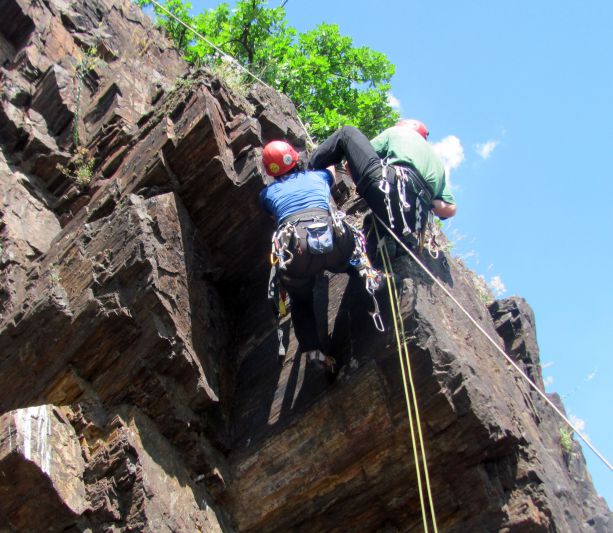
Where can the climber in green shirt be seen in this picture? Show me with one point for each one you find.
(406, 144)
(399, 175)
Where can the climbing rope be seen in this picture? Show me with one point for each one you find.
(232, 60)
(312, 144)
(493, 342)
(410, 399)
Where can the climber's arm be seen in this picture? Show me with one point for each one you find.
(443, 209)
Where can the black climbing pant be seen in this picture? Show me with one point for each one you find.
(367, 172)
(300, 276)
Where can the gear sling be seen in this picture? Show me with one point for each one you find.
(402, 198)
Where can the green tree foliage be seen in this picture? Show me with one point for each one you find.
(331, 82)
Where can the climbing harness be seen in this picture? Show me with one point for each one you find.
(417, 440)
(400, 179)
(286, 236)
(359, 260)
(494, 344)
(280, 257)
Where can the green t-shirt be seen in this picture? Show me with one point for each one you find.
(401, 144)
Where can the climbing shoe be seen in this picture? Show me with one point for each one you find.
(321, 361)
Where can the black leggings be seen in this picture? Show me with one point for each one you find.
(299, 279)
(366, 171)
(350, 143)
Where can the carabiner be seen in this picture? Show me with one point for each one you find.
(402, 195)
(384, 186)
(384, 165)
(283, 262)
(433, 251)
(376, 317)
(373, 282)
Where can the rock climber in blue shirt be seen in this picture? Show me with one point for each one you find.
(306, 240)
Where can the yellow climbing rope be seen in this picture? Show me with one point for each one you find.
(419, 449)
(494, 344)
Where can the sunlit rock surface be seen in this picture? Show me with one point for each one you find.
(140, 388)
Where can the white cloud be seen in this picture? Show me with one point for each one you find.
(393, 101)
(579, 423)
(591, 376)
(485, 149)
(456, 236)
(451, 152)
(497, 286)
(468, 255)
(548, 364)
(548, 381)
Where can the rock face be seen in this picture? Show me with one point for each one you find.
(139, 383)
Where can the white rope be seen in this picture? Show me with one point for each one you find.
(231, 59)
(495, 344)
(521, 372)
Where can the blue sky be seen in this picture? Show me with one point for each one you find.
(519, 94)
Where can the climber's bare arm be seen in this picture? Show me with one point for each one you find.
(443, 209)
(332, 171)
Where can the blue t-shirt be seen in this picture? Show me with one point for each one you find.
(296, 192)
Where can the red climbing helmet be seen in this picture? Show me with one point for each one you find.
(418, 126)
(279, 157)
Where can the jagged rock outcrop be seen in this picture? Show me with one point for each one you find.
(140, 387)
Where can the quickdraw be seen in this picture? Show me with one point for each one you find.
(405, 207)
(432, 232)
(280, 257)
(372, 277)
(418, 214)
(384, 187)
(277, 300)
(337, 219)
(281, 241)
(376, 313)
(426, 233)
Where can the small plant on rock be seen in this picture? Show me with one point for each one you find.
(566, 440)
(80, 169)
(231, 73)
(83, 66)
(55, 277)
